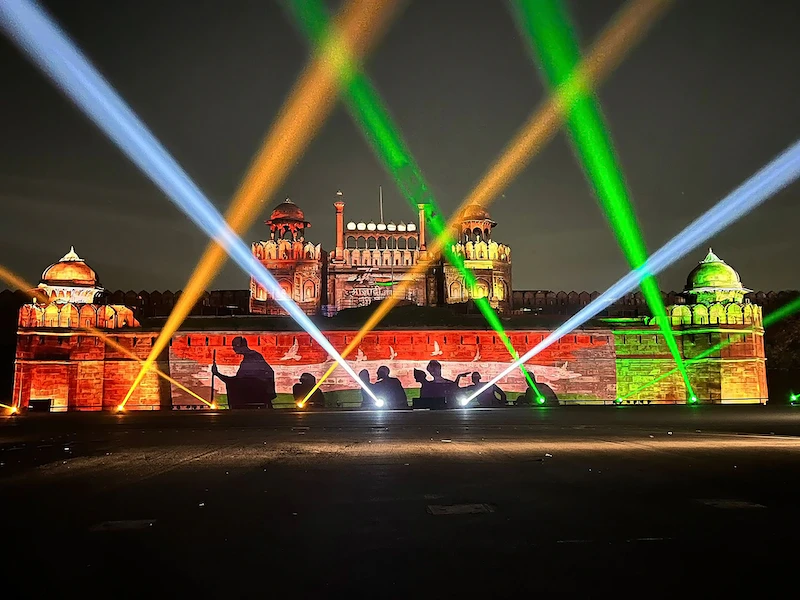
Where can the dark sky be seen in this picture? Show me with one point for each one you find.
(703, 102)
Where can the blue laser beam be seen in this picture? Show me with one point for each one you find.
(779, 173)
(53, 52)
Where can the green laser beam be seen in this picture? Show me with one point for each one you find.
(368, 110)
(779, 314)
(546, 26)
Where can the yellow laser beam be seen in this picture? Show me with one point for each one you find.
(626, 28)
(16, 281)
(356, 29)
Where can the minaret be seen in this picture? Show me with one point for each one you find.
(339, 204)
(421, 208)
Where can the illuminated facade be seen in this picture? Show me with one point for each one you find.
(488, 260)
(62, 366)
(298, 265)
(370, 258)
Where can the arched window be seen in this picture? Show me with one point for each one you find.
(455, 291)
(401, 243)
(351, 242)
(392, 243)
(477, 233)
(286, 286)
(287, 234)
(372, 243)
(412, 243)
(382, 243)
(309, 291)
(361, 242)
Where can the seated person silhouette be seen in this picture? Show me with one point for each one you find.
(390, 389)
(301, 389)
(492, 396)
(366, 400)
(530, 398)
(253, 386)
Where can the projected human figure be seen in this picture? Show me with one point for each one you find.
(366, 401)
(438, 387)
(492, 396)
(301, 389)
(253, 386)
(529, 397)
(390, 389)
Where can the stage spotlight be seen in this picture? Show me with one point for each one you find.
(379, 402)
(463, 401)
(693, 399)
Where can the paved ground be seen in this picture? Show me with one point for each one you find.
(584, 501)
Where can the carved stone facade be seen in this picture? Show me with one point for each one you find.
(488, 260)
(297, 265)
(370, 258)
(66, 298)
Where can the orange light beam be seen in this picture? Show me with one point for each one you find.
(626, 28)
(357, 28)
(15, 281)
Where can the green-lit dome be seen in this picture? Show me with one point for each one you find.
(713, 274)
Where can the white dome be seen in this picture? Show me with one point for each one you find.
(371, 226)
(411, 227)
(381, 226)
(351, 226)
(391, 227)
(361, 226)
(401, 227)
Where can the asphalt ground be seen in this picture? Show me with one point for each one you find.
(650, 501)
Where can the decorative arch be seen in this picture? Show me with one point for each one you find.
(309, 291)
(361, 242)
(681, 315)
(372, 243)
(381, 243)
(735, 314)
(716, 314)
(700, 314)
(456, 291)
(401, 243)
(350, 242)
(412, 243)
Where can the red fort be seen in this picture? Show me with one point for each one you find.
(62, 365)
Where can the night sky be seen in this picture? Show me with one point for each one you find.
(703, 102)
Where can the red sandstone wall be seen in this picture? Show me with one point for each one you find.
(735, 370)
(80, 372)
(580, 364)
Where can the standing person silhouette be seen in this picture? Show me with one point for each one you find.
(253, 386)
(366, 401)
(390, 389)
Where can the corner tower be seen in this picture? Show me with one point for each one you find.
(294, 262)
(489, 260)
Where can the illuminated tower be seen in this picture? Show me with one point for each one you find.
(488, 260)
(720, 335)
(295, 263)
(369, 259)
